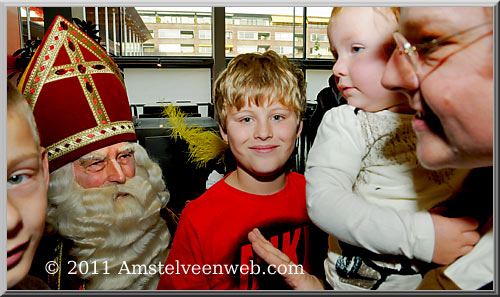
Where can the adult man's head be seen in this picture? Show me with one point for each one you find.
(105, 193)
(448, 77)
(116, 222)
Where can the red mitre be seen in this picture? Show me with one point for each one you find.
(77, 95)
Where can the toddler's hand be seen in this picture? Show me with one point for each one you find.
(454, 237)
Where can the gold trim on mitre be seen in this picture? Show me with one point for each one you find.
(64, 38)
(87, 137)
(65, 35)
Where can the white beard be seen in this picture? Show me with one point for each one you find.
(114, 231)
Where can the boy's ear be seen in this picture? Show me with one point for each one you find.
(299, 128)
(223, 133)
(45, 166)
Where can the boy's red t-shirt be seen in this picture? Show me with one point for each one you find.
(213, 230)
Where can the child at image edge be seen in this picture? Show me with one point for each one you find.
(259, 100)
(27, 183)
(365, 152)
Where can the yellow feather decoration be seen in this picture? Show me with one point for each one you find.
(203, 145)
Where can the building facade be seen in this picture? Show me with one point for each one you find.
(189, 34)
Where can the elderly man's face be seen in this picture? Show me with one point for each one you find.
(452, 88)
(110, 165)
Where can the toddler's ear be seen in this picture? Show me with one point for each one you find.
(223, 133)
(299, 128)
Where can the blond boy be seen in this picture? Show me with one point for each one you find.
(27, 182)
(259, 101)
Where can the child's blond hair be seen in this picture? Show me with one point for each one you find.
(17, 103)
(257, 78)
(394, 10)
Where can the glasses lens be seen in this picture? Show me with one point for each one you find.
(405, 47)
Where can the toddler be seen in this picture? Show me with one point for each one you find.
(365, 186)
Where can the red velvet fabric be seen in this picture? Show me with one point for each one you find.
(61, 108)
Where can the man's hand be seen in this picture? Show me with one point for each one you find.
(264, 249)
(454, 237)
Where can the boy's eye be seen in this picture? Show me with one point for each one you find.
(245, 120)
(277, 117)
(17, 179)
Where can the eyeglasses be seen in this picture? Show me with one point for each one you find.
(411, 51)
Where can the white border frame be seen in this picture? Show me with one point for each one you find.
(228, 3)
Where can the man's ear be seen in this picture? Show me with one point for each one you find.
(223, 133)
(299, 128)
(45, 167)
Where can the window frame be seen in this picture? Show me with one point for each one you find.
(254, 33)
(208, 61)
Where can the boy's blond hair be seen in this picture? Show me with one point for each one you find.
(257, 78)
(17, 103)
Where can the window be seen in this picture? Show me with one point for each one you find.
(187, 48)
(148, 19)
(321, 51)
(318, 25)
(187, 34)
(204, 20)
(319, 37)
(187, 20)
(169, 33)
(170, 19)
(242, 49)
(176, 19)
(317, 21)
(264, 36)
(148, 48)
(189, 26)
(169, 48)
(247, 35)
(262, 48)
(284, 50)
(247, 29)
(299, 38)
(205, 34)
(205, 49)
(275, 26)
(251, 21)
(283, 36)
